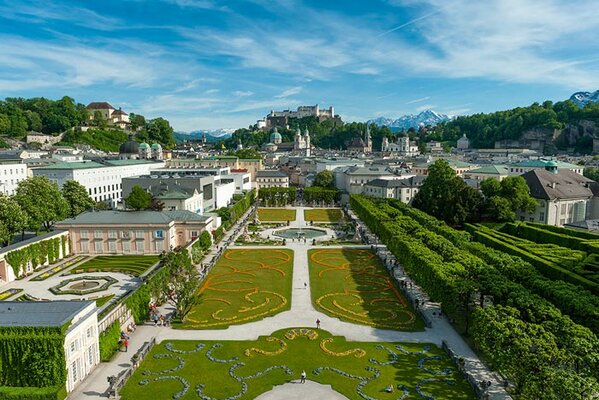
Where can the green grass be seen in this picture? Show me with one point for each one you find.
(276, 214)
(323, 215)
(351, 284)
(100, 301)
(395, 364)
(244, 286)
(134, 265)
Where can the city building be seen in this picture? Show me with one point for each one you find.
(563, 196)
(519, 168)
(361, 145)
(106, 111)
(133, 232)
(463, 143)
(402, 147)
(357, 177)
(459, 167)
(45, 140)
(400, 189)
(488, 171)
(271, 178)
(12, 171)
(79, 320)
(251, 166)
(281, 118)
(434, 147)
(103, 181)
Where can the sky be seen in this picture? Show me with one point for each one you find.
(208, 64)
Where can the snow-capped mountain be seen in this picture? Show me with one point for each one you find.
(427, 117)
(211, 135)
(582, 98)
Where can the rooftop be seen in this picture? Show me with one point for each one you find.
(563, 185)
(270, 174)
(100, 105)
(491, 170)
(111, 217)
(40, 313)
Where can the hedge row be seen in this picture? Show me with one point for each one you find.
(33, 393)
(32, 357)
(547, 268)
(109, 341)
(452, 275)
(565, 231)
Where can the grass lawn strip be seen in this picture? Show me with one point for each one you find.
(246, 369)
(351, 284)
(323, 215)
(244, 285)
(134, 265)
(58, 268)
(276, 214)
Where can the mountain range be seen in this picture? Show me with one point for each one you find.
(583, 98)
(211, 136)
(427, 117)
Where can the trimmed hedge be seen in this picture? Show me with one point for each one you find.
(32, 357)
(545, 267)
(33, 393)
(109, 341)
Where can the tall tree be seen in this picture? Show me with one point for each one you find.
(446, 196)
(184, 281)
(324, 179)
(12, 218)
(76, 195)
(504, 199)
(42, 201)
(138, 199)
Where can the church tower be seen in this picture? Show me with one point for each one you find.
(239, 145)
(297, 144)
(307, 142)
(385, 144)
(367, 140)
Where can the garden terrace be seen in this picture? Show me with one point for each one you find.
(245, 285)
(323, 215)
(246, 369)
(459, 274)
(276, 214)
(352, 285)
(132, 265)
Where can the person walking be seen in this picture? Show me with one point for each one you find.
(303, 377)
(126, 344)
(305, 285)
(318, 324)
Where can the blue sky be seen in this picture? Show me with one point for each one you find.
(207, 64)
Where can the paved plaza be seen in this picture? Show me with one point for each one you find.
(302, 313)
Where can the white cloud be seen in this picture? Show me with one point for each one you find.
(426, 107)
(418, 100)
(289, 92)
(212, 91)
(243, 93)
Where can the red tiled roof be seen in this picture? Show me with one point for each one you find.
(99, 105)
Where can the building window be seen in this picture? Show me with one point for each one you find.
(90, 332)
(90, 355)
(126, 247)
(139, 235)
(74, 371)
(125, 234)
(84, 234)
(159, 234)
(111, 234)
(112, 247)
(84, 247)
(73, 346)
(194, 234)
(542, 216)
(98, 247)
(98, 234)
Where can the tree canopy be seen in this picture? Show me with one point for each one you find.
(324, 179)
(77, 197)
(504, 199)
(12, 218)
(42, 201)
(138, 199)
(446, 196)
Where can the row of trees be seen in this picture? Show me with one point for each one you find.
(542, 351)
(446, 196)
(38, 203)
(277, 196)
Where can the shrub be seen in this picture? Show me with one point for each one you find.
(109, 341)
(33, 393)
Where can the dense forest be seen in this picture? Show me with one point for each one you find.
(19, 116)
(484, 129)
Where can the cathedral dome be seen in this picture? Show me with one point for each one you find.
(129, 147)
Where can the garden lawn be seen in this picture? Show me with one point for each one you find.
(245, 285)
(100, 301)
(246, 369)
(134, 265)
(276, 214)
(351, 284)
(323, 215)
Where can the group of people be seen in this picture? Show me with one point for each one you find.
(157, 317)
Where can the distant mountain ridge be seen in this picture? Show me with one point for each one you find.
(211, 135)
(583, 98)
(427, 117)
